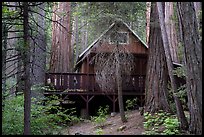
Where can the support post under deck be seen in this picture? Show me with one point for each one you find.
(87, 100)
(114, 99)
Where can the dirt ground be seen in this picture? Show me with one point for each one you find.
(134, 126)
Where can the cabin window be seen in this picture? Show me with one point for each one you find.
(121, 37)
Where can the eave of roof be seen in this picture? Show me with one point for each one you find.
(92, 44)
(136, 35)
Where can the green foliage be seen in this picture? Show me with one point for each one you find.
(102, 115)
(8, 13)
(100, 15)
(160, 123)
(130, 104)
(60, 115)
(171, 125)
(180, 51)
(98, 120)
(99, 131)
(181, 94)
(180, 72)
(43, 121)
(12, 116)
(103, 111)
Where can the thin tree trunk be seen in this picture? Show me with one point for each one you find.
(179, 108)
(4, 47)
(77, 38)
(69, 37)
(26, 63)
(119, 86)
(84, 34)
(20, 81)
(193, 62)
(148, 10)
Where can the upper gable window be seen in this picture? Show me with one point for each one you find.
(121, 37)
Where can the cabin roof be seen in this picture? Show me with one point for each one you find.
(82, 55)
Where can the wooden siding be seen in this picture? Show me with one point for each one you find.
(139, 66)
(134, 46)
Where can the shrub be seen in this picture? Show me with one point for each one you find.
(102, 115)
(160, 123)
(130, 104)
(42, 121)
(12, 116)
(171, 125)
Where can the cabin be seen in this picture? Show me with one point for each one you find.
(129, 43)
(82, 87)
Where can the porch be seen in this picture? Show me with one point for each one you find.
(86, 83)
(84, 86)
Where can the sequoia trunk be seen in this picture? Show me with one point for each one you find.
(156, 95)
(61, 45)
(179, 108)
(193, 62)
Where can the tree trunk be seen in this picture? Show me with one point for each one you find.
(193, 63)
(20, 81)
(148, 10)
(77, 38)
(61, 44)
(170, 28)
(26, 63)
(4, 47)
(198, 10)
(119, 86)
(179, 109)
(53, 58)
(84, 34)
(39, 54)
(156, 95)
(67, 38)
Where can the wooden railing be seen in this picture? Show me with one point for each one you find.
(86, 82)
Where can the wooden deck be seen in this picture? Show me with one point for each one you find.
(80, 83)
(85, 86)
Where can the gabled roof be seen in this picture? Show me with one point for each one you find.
(82, 55)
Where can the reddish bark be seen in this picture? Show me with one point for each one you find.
(61, 56)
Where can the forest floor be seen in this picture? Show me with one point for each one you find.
(112, 125)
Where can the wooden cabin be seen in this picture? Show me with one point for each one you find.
(130, 42)
(82, 86)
